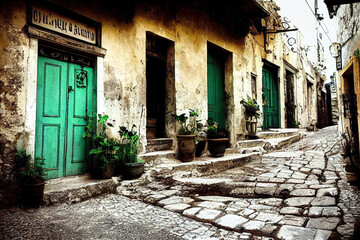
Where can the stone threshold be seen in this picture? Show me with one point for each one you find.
(77, 188)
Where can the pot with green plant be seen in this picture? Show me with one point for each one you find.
(103, 149)
(186, 135)
(252, 112)
(131, 166)
(32, 178)
(217, 138)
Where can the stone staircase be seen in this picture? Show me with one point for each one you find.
(163, 165)
(158, 149)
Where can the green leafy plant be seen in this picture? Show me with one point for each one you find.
(30, 172)
(129, 144)
(103, 148)
(297, 124)
(213, 131)
(252, 109)
(188, 124)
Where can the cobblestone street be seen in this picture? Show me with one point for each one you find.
(299, 192)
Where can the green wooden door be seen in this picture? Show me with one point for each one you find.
(271, 110)
(216, 90)
(66, 96)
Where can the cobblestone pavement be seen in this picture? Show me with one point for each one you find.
(299, 192)
(106, 217)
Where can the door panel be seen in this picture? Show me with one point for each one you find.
(216, 90)
(80, 106)
(66, 96)
(271, 109)
(51, 115)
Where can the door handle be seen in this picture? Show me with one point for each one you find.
(70, 89)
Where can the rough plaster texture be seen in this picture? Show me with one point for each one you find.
(348, 29)
(13, 74)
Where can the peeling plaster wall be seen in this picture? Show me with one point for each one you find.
(348, 30)
(14, 53)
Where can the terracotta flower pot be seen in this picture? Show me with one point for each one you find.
(32, 194)
(186, 147)
(217, 146)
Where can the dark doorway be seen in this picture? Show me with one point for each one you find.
(155, 97)
(290, 100)
(160, 87)
(350, 109)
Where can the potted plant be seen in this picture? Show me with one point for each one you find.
(350, 155)
(127, 153)
(32, 178)
(217, 138)
(186, 135)
(252, 112)
(103, 149)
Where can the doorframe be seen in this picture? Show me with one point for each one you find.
(170, 89)
(31, 91)
(288, 67)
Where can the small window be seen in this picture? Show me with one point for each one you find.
(253, 86)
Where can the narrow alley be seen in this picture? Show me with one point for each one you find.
(299, 192)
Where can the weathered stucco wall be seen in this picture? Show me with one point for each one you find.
(13, 74)
(348, 30)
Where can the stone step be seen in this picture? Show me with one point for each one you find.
(159, 144)
(268, 144)
(76, 188)
(150, 157)
(278, 133)
(202, 166)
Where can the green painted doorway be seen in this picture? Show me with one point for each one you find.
(66, 97)
(216, 88)
(271, 98)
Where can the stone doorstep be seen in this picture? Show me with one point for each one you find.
(76, 188)
(159, 144)
(151, 156)
(206, 165)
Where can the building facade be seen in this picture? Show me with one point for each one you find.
(139, 62)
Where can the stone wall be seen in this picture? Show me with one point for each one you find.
(13, 73)
(348, 30)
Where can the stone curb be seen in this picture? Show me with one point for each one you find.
(79, 193)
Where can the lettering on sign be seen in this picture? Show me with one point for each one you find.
(58, 22)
